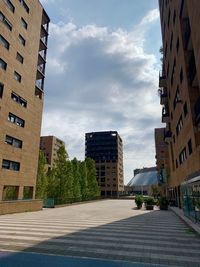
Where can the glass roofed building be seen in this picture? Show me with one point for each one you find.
(142, 181)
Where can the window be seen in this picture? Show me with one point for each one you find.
(179, 125)
(3, 64)
(182, 156)
(10, 165)
(171, 41)
(25, 6)
(19, 99)
(1, 90)
(10, 5)
(17, 77)
(20, 58)
(174, 17)
(176, 163)
(169, 15)
(181, 75)
(16, 120)
(22, 40)
(177, 97)
(173, 71)
(5, 21)
(177, 45)
(166, 50)
(4, 42)
(190, 147)
(185, 109)
(13, 141)
(24, 24)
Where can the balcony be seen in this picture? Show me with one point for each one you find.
(43, 43)
(165, 116)
(45, 21)
(42, 57)
(197, 111)
(162, 81)
(168, 136)
(163, 98)
(40, 84)
(44, 30)
(40, 71)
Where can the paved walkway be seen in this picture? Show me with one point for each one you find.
(109, 230)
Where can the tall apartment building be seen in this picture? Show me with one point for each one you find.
(180, 91)
(162, 156)
(23, 47)
(50, 145)
(106, 149)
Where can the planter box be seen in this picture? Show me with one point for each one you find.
(149, 207)
(163, 207)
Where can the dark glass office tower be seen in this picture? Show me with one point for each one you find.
(105, 148)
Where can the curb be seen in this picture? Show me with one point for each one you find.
(190, 223)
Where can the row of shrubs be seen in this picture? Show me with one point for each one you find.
(150, 202)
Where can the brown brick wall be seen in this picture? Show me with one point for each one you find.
(7, 207)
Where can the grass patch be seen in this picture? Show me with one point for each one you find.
(190, 231)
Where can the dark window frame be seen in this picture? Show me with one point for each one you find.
(190, 150)
(4, 42)
(10, 5)
(5, 21)
(22, 40)
(18, 99)
(1, 89)
(17, 77)
(4, 64)
(20, 58)
(10, 165)
(10, 140)
(16, 120)
(25, 6)
(24, 23)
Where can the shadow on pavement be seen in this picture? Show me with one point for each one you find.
(156, 237)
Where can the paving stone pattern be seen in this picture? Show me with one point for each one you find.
(110, 230)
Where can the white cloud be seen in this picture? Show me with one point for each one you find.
(98, 79)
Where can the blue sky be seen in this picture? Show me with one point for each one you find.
(102, 74)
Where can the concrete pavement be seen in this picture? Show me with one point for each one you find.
(110, 230)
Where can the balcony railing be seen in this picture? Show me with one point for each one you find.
(163, 98)
(40, 84)
(41, 68)
(42, 56)
(165, 116)
(197, 111)
(162, 81)
(44, 39)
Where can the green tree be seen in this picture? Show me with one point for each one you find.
(51, 184)
(83, 180)
(76, 180)
(41, 185)
(60, 174)
(155, 190)
(93, 189)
